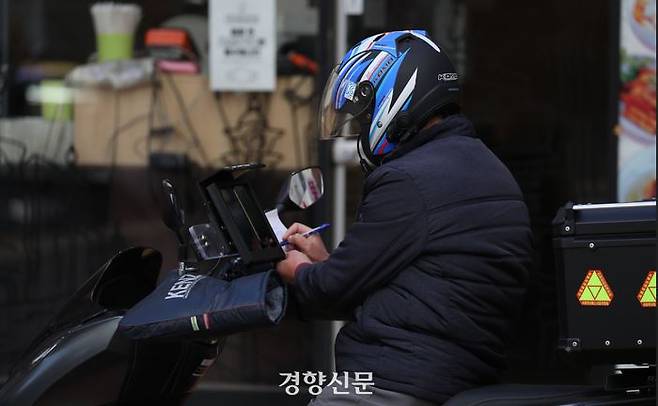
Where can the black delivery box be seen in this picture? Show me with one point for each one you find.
(606, 267)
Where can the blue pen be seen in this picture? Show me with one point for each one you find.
(309, 233)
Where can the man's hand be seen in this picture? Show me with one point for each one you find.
(312, 245)
(288, 267)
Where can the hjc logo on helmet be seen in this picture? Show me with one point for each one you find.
(448, 76)
(182, 287)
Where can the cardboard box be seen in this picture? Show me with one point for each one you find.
(112, 127)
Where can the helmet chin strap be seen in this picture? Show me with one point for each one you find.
(366, 166)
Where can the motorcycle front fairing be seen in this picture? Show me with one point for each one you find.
(119, 284)
(80, 359)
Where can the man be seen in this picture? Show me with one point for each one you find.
(435, 265)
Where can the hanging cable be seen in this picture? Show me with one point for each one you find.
(186, 119)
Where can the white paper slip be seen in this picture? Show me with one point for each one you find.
(275, 222)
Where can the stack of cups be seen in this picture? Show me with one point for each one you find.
(115, 26)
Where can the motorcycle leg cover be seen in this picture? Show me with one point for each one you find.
(199, 306)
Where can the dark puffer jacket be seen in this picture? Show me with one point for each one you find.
(433, 270)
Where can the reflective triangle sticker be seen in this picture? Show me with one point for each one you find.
(594, 291)
(647, 294)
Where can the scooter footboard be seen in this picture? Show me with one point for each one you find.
(194, 306)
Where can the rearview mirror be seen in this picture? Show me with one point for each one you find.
(302, 189)
(306, 187)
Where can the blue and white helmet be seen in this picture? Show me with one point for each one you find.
(385, 89)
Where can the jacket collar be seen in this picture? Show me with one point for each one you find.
(456, 124)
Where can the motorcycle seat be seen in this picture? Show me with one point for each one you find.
(523, 395)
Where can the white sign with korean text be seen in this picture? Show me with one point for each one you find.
(242, 45)
(353, 7)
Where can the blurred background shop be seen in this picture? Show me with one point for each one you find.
(93, 113)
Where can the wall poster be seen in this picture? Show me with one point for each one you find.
(636, 164)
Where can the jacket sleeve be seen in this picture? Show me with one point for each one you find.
(389, 233)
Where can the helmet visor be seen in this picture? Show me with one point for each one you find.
(341, 108)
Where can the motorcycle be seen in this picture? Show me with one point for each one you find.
(83, 357)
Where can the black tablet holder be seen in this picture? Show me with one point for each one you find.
(233, 208)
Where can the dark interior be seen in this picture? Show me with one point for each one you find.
(130, 277)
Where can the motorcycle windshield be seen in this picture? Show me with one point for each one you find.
(119, 284)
